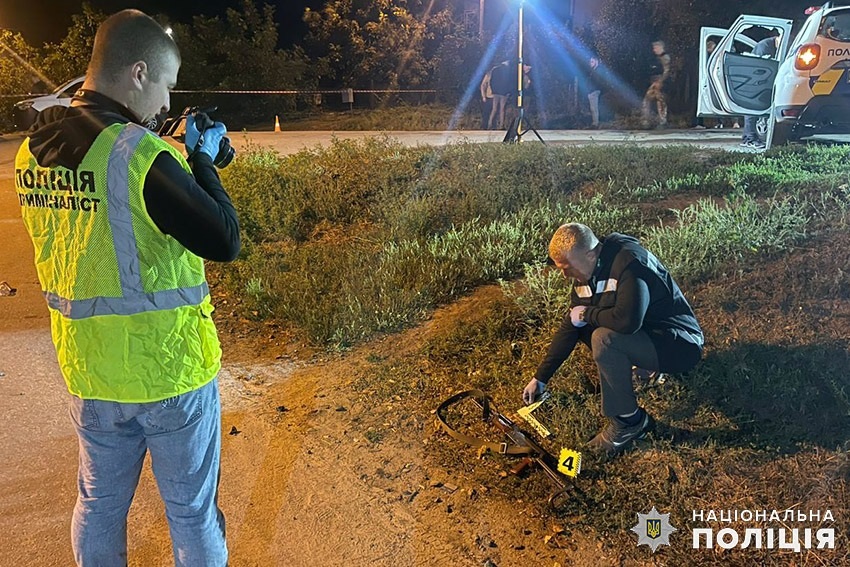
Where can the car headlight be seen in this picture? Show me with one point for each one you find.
(23, 105)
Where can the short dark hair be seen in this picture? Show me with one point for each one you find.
(569, 237)
(126, 37)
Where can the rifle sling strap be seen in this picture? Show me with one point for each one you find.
(489, 412)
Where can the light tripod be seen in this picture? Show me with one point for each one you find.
(518, 127)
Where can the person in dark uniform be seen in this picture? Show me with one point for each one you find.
(502, 85)
(765, 48)
(629, 311)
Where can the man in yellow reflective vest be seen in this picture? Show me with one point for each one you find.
(121, 223)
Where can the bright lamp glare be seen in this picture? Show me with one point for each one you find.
(808, 56)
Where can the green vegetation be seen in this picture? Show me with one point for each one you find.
(707, 237)
(386, 117)
(369, 237)
(366, 237)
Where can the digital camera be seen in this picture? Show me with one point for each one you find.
(172, 127)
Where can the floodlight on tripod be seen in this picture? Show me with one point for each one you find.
(519, 127)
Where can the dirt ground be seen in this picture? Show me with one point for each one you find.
(301, 484)
(304, 482)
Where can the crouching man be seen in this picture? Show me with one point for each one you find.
(629, 311)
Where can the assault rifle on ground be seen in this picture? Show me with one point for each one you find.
(519, 444)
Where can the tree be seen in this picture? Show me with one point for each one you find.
(19, 68)
(19, 72)
(379, 43)
(70, 57)
(239, 52)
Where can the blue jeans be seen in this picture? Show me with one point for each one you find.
(183, 435)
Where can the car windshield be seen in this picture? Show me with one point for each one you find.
(836, 26)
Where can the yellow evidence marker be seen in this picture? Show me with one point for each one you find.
(525, 413)
(569, 462)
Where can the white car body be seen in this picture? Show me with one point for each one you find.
(801, 101)
(27, 110)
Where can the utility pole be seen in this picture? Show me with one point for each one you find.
(480, 20)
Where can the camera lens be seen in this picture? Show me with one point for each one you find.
(225, 154)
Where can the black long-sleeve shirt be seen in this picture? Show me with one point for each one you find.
(192, 208)
(197, 211)
(629, 291)
(626, 316)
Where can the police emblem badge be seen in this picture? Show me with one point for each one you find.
(653, 529)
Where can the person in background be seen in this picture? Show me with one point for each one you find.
(593, 87)
(486, 99)
(502, 84)
(765, 48)
(659, 77)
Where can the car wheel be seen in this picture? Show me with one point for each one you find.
(762, 126)
(156, 122)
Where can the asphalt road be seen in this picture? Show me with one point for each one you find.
(288, 142)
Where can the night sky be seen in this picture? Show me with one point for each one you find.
(41, 21)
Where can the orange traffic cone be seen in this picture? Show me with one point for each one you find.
(276, 123)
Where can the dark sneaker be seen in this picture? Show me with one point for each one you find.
(753, 144)
(616, 436)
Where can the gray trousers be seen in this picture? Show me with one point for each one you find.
(615, 354)
(750, 133)
(593, 102)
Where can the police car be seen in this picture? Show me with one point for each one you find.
(803, 92)
(26, 111)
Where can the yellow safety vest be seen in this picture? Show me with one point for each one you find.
(130, 310)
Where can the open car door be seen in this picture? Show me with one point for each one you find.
(705, 105)
(740, 83)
